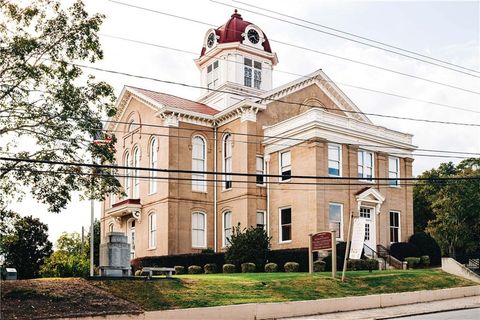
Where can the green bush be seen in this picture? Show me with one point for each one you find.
(401, 250)
(248, 267)
(271, 267)
(210, 268)
(195, 270)
(291, 267)
(179, 269)
(229, 268)
(248, 245)
(371, 264)
(425, 261)
(64, 264)
(412, 262)
(208, 250)
(427, 247)
(319, 266)
(362, 264)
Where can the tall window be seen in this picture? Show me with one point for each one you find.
(153, 165)
(393, 171)
(199, 237)
(285, 224)
(152, 230)
(261, 222)
(136, 179)
(394, 226)
(252, 69)
(110, 227)
(335, 218)
(365, 165)
(227, 227)
(260, 171)
(285, 166)
(334, 159)
(132, 125)
(227, 160)
(198, 164)
(126, 163)
(212, 75)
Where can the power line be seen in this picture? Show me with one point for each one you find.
(244, 174)
(300, 47)
(270, 99)
(295, 74)
(168, 179)
(349, 39)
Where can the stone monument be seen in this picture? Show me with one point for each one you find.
(115, 255)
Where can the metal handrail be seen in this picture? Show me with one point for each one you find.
(385, 254)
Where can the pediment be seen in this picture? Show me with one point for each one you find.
(370, 195)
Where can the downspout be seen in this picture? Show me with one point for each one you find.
(215, 188)
(267, 171)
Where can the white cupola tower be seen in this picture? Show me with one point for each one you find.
(236, 62)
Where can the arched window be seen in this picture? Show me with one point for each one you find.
(152, 230)
(227, 160)
(126, 163)
(132, 125)
(153, 164)
(110, 227)
(136, 179)
(199, 164)
(227, 227)
(199, 230)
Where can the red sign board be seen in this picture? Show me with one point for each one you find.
(322, 241)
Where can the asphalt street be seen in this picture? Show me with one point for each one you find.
(466, 314)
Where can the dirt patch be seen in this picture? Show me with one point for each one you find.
(59, 298)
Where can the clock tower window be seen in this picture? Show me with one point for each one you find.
(252, 69)
(212, 75)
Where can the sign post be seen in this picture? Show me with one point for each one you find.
(325, 240)
(347, 247)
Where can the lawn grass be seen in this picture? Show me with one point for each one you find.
(188, 291)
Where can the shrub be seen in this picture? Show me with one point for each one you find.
(210, 268)
(318, 266)
(248, 267)
(195, 269)
(291, 267)
(208, 251)
(341, 246)
(412, 262)
(371, 264)
(198, 259)
(179, 269)
(248, 245)
(362, 264)
(401, 250)
(138, 273)
(64, 264)
(300, 255)
(271, 267)
(425, 261)
(229, 268)
(427, 247)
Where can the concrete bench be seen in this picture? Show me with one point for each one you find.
(150, 270)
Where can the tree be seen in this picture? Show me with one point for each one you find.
(26, 246)
(248, 245)
(452, 207)
(68, 260)
(46, 100)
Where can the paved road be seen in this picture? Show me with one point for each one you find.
(467, 314)
(406, 311)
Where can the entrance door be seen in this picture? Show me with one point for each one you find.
(370, 231)
(131, 237)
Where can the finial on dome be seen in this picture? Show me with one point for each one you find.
(236, 14)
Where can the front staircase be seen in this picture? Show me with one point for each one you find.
(383, 256)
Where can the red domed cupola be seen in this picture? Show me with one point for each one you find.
(236, 30)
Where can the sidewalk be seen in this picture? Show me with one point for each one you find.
(399, 311)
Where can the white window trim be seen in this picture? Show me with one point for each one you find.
(152, 184)
(340, 150)
(364, 179)
(263, 171)
(399, 226)
(341, 218)
(280, 166)
(150, 247)
(264, 218)
(252, 69)
(111, 227)
(204, 164)
(224, 184)
(127, 180)
(398, 172)
(136, 179)
(280, 241)
(224, 244)
(204, 230)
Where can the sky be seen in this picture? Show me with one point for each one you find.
(444, 30)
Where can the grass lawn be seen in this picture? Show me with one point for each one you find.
(188, 291)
